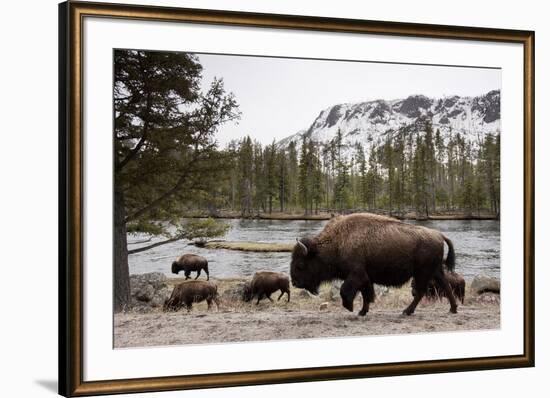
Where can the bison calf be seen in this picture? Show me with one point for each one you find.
(187, 293)
(435, 290)
(263, 284)
(190, 263)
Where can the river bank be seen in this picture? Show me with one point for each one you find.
(305, 316)
(322, 216)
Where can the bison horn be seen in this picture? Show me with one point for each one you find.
(302, 246)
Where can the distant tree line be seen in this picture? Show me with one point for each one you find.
(414, 169)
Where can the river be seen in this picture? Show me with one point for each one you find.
(477, 247)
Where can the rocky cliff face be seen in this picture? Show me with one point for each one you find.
(369, 123)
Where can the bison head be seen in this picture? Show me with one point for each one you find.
(170, 305)
(175, 268)
(306, 267)
(247, 292)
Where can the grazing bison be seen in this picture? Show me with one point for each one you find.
(434, 290)
(187, 293)
(362, 249)
(190, 263)
(265, 283)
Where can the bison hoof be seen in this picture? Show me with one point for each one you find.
(362, 313)
(348, 307)
(407, 312)
(453, 311)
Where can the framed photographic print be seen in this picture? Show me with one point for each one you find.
(253, 199)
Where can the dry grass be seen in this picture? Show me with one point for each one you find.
(394, 299)
(305, 316)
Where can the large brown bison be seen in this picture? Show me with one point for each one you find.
(191, 263)
(362, 249)
(264, 284)
(436, 291)
(187, 293)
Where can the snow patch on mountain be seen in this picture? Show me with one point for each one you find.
(369, 123)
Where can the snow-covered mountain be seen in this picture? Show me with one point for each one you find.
(370, 122)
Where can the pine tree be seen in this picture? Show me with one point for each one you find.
(293, 192)
(303, 183)
(421, 194)
(430, 164)
(400, 177)
(373, 180)
(362, 170)
(315, 177)
(165, 153)
(441, 194)
(342, 184)
(270, 174)
(246, 168)
(282, 178)
(490, 156)
(389, 165)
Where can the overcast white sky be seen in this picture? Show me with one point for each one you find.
(280, 96)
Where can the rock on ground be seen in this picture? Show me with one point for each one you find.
(484, 283)
(234, 292)
(148, 290)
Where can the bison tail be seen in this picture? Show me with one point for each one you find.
(450, 261)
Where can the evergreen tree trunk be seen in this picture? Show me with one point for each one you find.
(121, 270)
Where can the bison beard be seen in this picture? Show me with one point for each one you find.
(363, 249)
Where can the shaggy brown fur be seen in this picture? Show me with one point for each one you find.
(435, 291)
(363, 249)
(265, 283)
(190, 263)
(187, 293)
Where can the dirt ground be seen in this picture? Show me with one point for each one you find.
(305, 316)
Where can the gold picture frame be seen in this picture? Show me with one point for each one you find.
(71, 16)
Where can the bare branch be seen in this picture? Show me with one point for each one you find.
(164, 242)
(134, 151)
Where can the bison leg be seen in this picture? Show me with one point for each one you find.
(348, 291)
(269, 297)
(207, 274)
(355, 282)
(187, 274)
(260, 296)
(419, 292)
(441, 279)
(368, 297)
(198, 274)
(412, 306)
(283, 291)
(215, 300)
